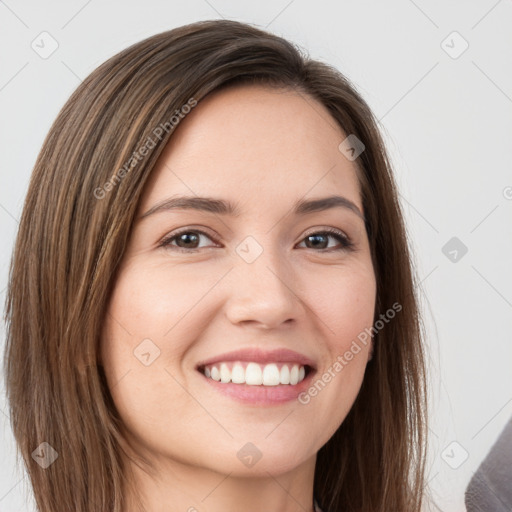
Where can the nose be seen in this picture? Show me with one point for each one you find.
(263, 293)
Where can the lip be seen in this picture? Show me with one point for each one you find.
(262, 396)
(258, 355)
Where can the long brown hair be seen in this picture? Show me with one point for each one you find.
(74, 228)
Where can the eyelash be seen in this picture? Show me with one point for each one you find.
(346, 243)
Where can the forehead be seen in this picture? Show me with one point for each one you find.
(255, 144)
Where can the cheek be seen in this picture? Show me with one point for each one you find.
(145, 335)
(343, 311)
(153, 302)
(344, 300)
(155, 310)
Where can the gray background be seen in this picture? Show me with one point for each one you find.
(446, 118)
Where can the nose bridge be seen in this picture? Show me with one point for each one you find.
(262, 289)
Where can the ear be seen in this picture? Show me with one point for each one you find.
(370, 352)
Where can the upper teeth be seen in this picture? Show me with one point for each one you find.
(255, 374)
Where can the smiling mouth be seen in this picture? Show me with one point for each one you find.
(256, 374)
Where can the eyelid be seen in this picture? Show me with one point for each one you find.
(329, 230)
(346, 241)
(166, 240)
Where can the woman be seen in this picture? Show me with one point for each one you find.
(211, 303)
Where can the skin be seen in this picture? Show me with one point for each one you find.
(264, 149)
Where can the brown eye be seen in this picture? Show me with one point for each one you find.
(185, 240)
(317, 240)
(188, 240)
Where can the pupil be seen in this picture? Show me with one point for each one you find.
(185, 237)
(316, 238)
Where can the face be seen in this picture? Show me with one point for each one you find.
(197, 284)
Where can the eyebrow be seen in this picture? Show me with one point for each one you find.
(223, 207)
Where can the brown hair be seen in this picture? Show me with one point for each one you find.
(74, 228)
